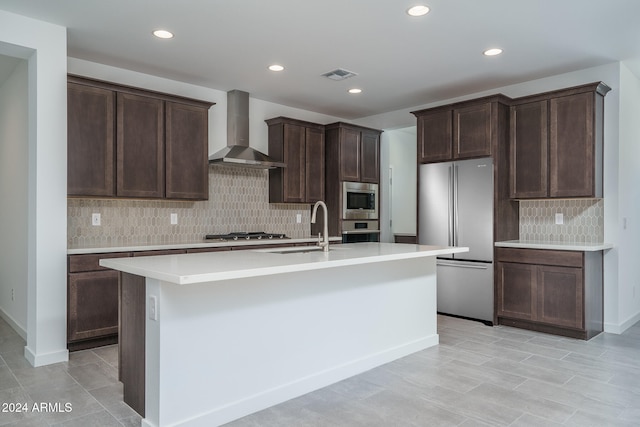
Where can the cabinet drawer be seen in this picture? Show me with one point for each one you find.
(212, 249)
(541, 257)
(160, 252)
(90, 262)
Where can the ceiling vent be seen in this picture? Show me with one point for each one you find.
(339, 74)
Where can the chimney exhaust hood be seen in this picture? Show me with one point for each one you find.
(238, 153)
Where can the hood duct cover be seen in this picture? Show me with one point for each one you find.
(238, 152)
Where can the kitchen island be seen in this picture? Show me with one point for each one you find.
(208, 338)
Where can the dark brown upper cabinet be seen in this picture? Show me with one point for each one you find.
(435, 135)
(186, 149)
(460, 131)
(300, 145)
(140, 146)
(91, 141)
(472, 131)
(132, 143)
(355, 151)
(557, 143)
(529, 146)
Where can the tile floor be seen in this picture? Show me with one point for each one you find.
(477, 376)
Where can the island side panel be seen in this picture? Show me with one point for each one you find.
(131, 350)
(223, 350)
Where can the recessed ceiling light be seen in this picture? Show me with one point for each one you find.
(355, 90)
(492, 52)
(276, 67)
(163, 34)
(419, 10)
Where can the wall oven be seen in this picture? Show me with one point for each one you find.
(359, 200)
(354, 231)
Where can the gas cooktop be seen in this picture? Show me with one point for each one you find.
(246, 235)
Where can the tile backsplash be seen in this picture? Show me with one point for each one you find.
(583, 220)
(238, 201)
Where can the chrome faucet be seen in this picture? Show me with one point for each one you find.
(324, 243)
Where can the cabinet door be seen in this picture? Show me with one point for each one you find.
(528, 171)
(560, 296)
(140, 142)
(90, 141)
(92, 305)
(571, 146)
(294, 180)
(472, 131)
(434, 136)
(516, 290)
(314, 165)
(349, 155)
(370, 162)
(187, 167)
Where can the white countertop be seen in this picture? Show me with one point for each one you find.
(192, 245)
(559, 246)
(185, 269)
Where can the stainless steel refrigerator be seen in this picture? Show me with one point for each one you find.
(455, 208)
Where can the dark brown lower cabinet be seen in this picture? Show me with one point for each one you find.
(557, 292)
(92, 302)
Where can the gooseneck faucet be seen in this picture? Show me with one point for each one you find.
(324, 243)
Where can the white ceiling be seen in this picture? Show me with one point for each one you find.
(401, 61)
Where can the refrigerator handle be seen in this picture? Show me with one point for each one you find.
(450, 207)
(459, 265)
(455, 205)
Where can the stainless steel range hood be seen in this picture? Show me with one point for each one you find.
(238, 152)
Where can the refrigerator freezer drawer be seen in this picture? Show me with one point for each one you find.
(465, 289)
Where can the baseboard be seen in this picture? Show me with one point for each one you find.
(46, 358)
(284, 392)
(14, 324)
(614, 328)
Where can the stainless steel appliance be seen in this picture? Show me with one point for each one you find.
(359, 200)
(455, 208)
(354, 231)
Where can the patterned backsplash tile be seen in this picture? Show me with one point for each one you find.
(583, 220)
(238, 201)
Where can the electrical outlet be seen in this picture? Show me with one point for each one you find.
(95, 219)
(298, 218)
(153, 307)
(13, 294)
(174, 218)
(559, 219)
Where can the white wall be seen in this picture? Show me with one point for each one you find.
(403, 189)
(44, 46)
(14, 140)
(629, 203)
(621, 175)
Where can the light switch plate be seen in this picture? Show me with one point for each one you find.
(153, 307)
(174, 218)
(298, 218)
(95, 219)
(559, 219)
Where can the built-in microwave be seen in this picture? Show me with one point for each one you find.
(359, 200)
